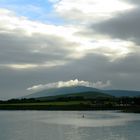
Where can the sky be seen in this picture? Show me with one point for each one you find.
(56, 43)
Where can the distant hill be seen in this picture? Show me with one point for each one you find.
(61, 91)
(82, 95)
(78, 90)
(122, 93)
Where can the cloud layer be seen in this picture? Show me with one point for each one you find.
(91, 40)
(76, 82)
(95, 10)
(31, 44)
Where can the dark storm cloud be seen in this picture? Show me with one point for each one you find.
(97, 67)
(122, 74)
(124, 26)
(84, 69)
(129, 65)
(21, 49)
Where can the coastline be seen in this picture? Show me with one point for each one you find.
(38, 106)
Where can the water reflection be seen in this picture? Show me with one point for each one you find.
(45, 125)
(91, 119)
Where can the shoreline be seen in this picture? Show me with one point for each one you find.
(17, 107)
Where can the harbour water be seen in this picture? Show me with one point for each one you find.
(69, 125)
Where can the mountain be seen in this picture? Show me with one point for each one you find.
(81, 89)
(82, 95)
(122, 93)
(62, 91)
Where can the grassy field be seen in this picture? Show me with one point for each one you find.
(48, 103)
(64, 105)
(58, 105)
(96, 104)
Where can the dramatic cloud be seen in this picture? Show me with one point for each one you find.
(27, 44)
(124, 26)
(76, 82)
(57, 40)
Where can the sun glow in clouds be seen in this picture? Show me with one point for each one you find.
(78, 46)
(95, 9)
(22, 66)
(112, 48)
(32, 66)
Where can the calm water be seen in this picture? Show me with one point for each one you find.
(45, 125)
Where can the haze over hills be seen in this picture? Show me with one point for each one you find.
(74, 90)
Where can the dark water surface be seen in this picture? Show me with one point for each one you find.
(69, 125)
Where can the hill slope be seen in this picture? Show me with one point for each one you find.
(81, 89)
(122, 93)
(62, 91)
(78, 96)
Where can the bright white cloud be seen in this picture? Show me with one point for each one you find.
(85, 10)
(112, 48)
(10, 22)
(76, 82)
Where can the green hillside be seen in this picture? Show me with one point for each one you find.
(77, 96)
